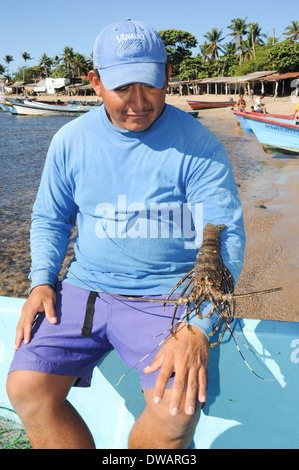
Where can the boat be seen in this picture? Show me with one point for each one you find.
(275, 136)
(34, 108)
(193, 113)
(241, 118)
(209, 104)
(242, 411)
(4, 105)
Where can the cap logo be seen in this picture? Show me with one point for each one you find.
(125, 37)
(126, 48)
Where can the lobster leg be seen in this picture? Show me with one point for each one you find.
(176, 306)
(178, 285)
(221, 337)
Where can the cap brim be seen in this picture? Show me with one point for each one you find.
(152, 74)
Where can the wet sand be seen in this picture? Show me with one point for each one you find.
(271, 206)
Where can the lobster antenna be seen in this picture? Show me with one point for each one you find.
(258, 292)
(234, 336)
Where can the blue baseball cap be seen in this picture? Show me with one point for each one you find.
(130, 52)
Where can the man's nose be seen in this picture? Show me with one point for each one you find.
(138, 96)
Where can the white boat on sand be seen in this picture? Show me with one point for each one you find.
(34, 108)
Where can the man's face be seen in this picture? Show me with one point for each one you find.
(133, 107)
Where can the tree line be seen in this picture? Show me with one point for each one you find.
(247, 49)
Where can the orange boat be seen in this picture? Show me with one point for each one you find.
(209, 104)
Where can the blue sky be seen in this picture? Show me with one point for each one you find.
(40, 26)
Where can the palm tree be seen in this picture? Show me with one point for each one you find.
(68, 54)
(238, 27)
(230, 57)
(254, 35)
(45, 62)
(8, 59)
(230, 48)
(56, 60)
(212, 47)
(248, 49)
(292, 31)
(26, 57)
(79, 63)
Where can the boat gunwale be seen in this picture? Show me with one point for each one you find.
(267, 120)
(287, 117)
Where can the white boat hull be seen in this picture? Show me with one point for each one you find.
(35, 109)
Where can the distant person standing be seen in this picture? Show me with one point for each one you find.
(259, 107)
(297, 111)
(251, 94)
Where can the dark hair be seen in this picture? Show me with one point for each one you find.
(97, 74)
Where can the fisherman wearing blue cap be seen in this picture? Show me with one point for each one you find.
(140, 179)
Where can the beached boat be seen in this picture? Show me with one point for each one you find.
(34, 108)
(193, 113)
(241, 117)
(209, 104)
(242, 411)
(275, 136)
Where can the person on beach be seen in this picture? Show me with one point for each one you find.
(260, 107)
(241, 104)
(140, 179)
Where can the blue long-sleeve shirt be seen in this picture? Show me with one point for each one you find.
(140, 199)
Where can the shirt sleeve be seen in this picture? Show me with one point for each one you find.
(53, 217)
(212, 183)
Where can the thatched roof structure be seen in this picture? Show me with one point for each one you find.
(220, 85)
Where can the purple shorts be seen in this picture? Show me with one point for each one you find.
(89, 326)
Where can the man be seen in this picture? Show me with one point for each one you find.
(137, 176)
(297, 111)
(259, 107)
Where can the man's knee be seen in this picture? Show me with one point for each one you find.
(157, 428)
(28, 391)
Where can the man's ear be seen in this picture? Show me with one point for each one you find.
(168, 71)
(94, 82)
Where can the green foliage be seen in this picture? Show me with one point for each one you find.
(191, 68)
(261, 62)
(30, 72)
(284, 57)
(212, 47)
(292, 31)
(59, 72)
(178, 45)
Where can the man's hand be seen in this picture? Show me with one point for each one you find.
(188, 357)
(41, 299)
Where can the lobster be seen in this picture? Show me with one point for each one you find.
(211, 280)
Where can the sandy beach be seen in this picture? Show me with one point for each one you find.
(271, 206)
